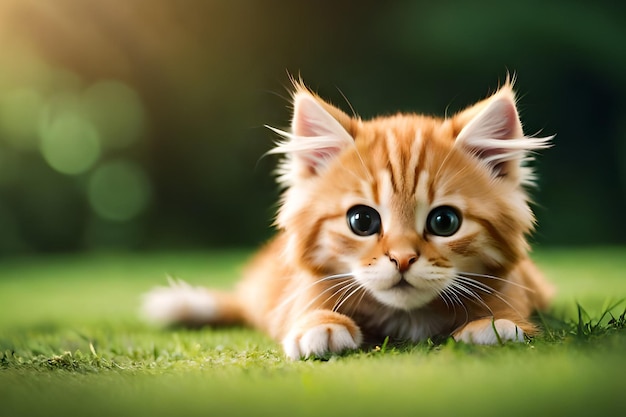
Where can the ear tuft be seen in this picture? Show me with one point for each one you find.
(494, 135)
(317, 137)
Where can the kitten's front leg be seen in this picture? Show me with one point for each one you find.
(489, 332)
(321, 332)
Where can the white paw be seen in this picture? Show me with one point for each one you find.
(487, 332)
(180, 303)
(319, 341)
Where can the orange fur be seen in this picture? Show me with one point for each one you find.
(320, 287)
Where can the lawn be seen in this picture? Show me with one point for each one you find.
(71, 344)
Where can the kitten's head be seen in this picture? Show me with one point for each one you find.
(406, 203)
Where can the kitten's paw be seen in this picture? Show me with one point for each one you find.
(489, 332)
(179, 303)
(320, 340)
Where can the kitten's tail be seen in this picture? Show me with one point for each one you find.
(180, 304)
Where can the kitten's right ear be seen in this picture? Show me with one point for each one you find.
(319, 132)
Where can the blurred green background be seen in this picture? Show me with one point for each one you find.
(139, 124)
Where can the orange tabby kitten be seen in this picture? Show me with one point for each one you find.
(405, 226)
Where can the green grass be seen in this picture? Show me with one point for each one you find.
(71, 344)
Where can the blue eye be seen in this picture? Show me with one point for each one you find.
(363, 220)
(443, 221)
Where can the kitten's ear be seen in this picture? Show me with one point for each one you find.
(319, 132)
(492, 131)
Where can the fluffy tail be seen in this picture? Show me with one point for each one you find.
(180, 304)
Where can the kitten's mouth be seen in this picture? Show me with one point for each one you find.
(403, 284)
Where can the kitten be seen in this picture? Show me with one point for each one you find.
(405, 226)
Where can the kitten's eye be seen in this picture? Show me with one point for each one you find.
(363, 220)
(443, 221)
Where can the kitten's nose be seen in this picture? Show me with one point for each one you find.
(403, 261)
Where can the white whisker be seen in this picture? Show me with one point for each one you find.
(445, 300)
(445, 297)
(344, 290)
(470, 295)
(436, 177)
(460, 285)
(493, 277)
(341, 286)
(367, 172)
(456, 174)
(355, 305)
(485, 288)
(355, 174)
(354, 291)
(476, 284)
(453, 294)
(311, 285)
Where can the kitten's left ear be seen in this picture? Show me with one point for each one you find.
(492, 132)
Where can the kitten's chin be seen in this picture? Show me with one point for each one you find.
(404, 297)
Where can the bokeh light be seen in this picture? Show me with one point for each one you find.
(119, 190)
(70, 143)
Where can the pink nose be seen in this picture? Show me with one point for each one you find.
(403, 261)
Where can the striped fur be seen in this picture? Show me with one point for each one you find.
(320, 288)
